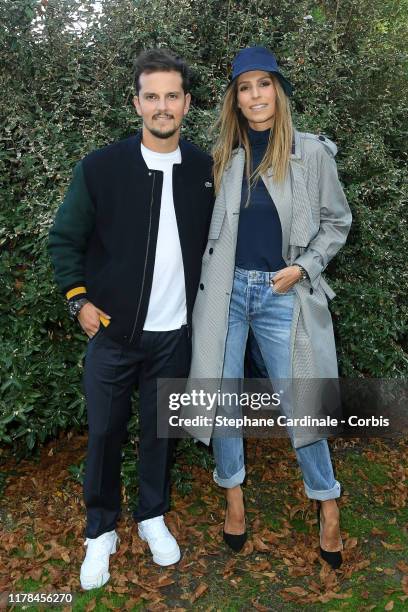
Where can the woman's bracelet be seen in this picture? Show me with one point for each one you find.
(303, 274)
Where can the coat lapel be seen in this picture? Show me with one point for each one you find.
(232, 181)
(281, 194)
(290, 197)
(292, 201)
(282, 198)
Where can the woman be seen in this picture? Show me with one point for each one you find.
(279, 218)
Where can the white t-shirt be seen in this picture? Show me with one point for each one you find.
(167, 305)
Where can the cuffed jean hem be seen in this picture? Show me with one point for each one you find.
(233, 481)
(332, 493)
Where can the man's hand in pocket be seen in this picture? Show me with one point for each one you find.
(89, 318)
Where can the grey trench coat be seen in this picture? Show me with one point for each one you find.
(315, 220)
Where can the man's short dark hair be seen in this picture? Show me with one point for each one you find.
(161, 60)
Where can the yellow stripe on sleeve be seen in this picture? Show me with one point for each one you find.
(76, 291)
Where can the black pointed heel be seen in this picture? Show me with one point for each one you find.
(333, 558)
(236, 542)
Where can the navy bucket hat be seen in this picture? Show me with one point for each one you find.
(258, 58)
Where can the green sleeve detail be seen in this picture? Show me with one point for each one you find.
(69, 235)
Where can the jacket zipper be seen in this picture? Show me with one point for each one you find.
(145, 263)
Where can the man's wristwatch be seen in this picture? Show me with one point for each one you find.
(304, 274)
(74, 307)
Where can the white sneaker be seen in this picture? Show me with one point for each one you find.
(162, 544)
(95, 568)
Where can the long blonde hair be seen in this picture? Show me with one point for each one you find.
(232, 129)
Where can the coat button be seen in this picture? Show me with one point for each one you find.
(311, 291)
(211, 251)
(322, 138)
(201, 286)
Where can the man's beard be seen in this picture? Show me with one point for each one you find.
(163, 135)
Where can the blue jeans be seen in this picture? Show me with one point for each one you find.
(255, 304)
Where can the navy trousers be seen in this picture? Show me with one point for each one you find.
(112, 372)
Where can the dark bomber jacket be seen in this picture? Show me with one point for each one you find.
(103, 240)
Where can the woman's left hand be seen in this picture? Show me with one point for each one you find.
(286, 278)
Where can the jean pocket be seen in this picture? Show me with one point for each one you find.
(290, 291)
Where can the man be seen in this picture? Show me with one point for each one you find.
(126, 246)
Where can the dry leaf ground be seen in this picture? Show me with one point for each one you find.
(42, 522)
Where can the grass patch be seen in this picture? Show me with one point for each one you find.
(357, 466)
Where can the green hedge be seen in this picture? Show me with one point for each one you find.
(66, 88)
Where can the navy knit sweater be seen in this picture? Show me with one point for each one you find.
(259, 242)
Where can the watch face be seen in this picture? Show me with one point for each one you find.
(75, 307)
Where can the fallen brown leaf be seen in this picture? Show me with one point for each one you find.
(350, 543)
(259, 606)
(200, 590)
(295, 570)
(402, 566)
(378, 532)
(165, 581)
(229, 568)
(248, 548)
(259, 545)
(157, 607)
(345, 595)
(36, 573)
(392, 546)
(295, 590)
